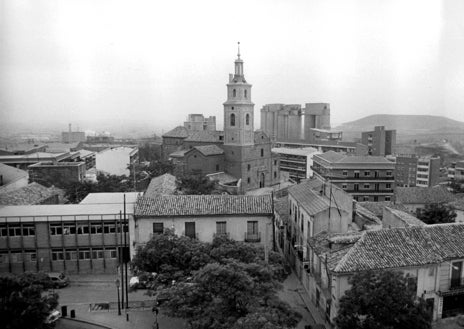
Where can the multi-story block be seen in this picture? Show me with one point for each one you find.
(325, 146)
(380, 142)
(24, 160)
(366, 178)
(314, 206)
(202, 217)
(433, 255)
(297, 162)
(60, 173)
(406, 170)
(82, 238)
(428, 171)
(459, 171)
(197, 122)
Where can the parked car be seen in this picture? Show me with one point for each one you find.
(59, 280)
(53, 317)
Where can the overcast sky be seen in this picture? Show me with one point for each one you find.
(153, 62)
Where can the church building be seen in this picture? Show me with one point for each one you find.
(247, 153)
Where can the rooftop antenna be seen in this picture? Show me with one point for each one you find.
(238, 54)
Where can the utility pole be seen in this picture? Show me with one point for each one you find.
(126, 251)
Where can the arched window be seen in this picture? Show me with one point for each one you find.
(246, 93)
(262, 152)
(232, 119)
(247, 119)
(234, 93)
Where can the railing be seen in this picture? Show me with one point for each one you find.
(361, 178)
(253, 237)
(366, 191)
(219, 235)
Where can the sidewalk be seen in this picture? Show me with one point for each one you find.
(294, 293)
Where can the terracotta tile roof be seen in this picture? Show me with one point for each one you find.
(406, 217)
(365, 213)
(377, 207)
(222, 178)
(164, 184)
(203, 205)
(207, 150)
(281, 207)
(204, 136)
(31, 194)
(311, 200)
(178, 132)
(423, 195)
(404, 247)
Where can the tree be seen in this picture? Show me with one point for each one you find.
(457, 186)
(383, 300)
(195, 184)
(23, 303)
(436, 213)
(218, 285)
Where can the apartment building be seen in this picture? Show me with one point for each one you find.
(366, 178)
(380, 142)
(297, 162)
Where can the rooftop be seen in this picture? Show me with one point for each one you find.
(110, 197)
(406, 218)
(164, 184)
(312, 201)
(203, 136)
(178, 132)
(336, 157)
(377, 207)
(207, 150)
(204, 205)
(397, 247)
(11, 174)
(423, 195)
(33, 193)
(295, 151)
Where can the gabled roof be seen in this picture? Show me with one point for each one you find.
(111, 198)
(31, 194)
(207, 150)
(311, 200)
(203, 205)
(397, 247)
(161, 185)
(204, 136)
(179, 132)
(11, 174)
(281, 207)
(377, 207)
(423, 195)
(406, 218)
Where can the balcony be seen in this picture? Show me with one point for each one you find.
(221, 235)
(252, 237)
(339, 177)
(369, 192)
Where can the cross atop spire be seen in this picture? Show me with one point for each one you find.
(238, 54)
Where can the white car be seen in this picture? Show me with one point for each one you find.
(53, 317)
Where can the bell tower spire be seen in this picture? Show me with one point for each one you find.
(238, 108)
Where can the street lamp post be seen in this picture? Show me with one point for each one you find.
(118, 283)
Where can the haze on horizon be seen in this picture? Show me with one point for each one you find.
(97, 63)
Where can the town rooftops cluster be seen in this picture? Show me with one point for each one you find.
(419, 195)
(390, 248)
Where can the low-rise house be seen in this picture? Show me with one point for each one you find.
(161, 185)
(414, 198)
(397, 218)
(432, 255)
(314, 206)
(202, 217)
(198, 160)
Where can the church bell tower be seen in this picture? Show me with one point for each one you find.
(238, 109)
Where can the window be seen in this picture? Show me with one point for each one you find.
(83, 229)
(217, 167)
(249, 167)
(248, 180)
(275, 162)
(56, 229)
(247, 119)
(356, 174)
(97, 253)
(14, 230)
(388, 185)
(71, 254)
(366, 198)
(345, 172)
(84, 254)
(344, 186)
(431, 271)
(246, 94)
(232, 119)
(234, 93)
(262, 152)
(221, 227)
(387, 198)
(4, 257)
(111, 253)
(3, 230)
(69, 228)
(275, 174)
(389, 173)
(109, 228)
(252, 227)
(57, 254)
(356, 187)
(367, 186)
(28, 229)
(96, 228)
(16, 257)
(158, 228)
(367, 173)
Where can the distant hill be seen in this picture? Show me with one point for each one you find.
(403, 123)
